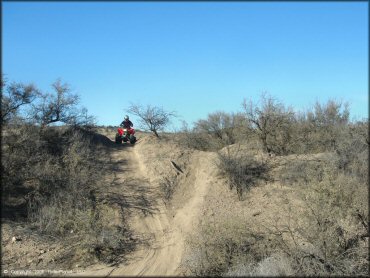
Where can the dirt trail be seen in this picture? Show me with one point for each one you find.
(165, 234)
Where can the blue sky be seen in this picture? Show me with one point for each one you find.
(193, 58)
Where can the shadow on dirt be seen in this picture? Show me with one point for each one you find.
(136, 194)
(102, 140)
(131, 193)
(15, 207)
(111, 240)
(124, 190)
(14, 211)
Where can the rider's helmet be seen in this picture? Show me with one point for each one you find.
(126, 118)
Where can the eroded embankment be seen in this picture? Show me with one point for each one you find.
(163, 231)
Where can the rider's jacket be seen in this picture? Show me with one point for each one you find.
(127, 124)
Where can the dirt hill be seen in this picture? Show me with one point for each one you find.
(149, 165)
(175, 201)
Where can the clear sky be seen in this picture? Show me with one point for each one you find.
(190, 57)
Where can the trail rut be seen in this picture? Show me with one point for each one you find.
(165, 234)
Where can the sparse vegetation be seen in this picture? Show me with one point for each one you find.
(222, 126)
(323, 157)
(272, 122)
(242, 171)
(222, 245)
(13, 97)
(327, 234)
(219, 130)
(168, 186)
(152, 118)
(52, 178)
(50, 174)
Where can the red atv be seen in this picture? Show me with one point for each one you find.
(124, 134)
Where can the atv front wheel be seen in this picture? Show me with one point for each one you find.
(118, 139)
(132, 139)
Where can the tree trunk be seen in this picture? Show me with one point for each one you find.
(155, 133)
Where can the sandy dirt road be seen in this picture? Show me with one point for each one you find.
(165, 235)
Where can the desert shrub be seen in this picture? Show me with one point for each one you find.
(272, 122)
(331, 237)
(350, 157)
(352, 148)
(230, 246)
(277, 264)
(218, 130)
(50, 174)
(223, 128)
(14, 97)
(325, 233)
(242, 171)
(282, 131)
(18, 153)
(196, 140)
(36, 157)
(318, 129)
(152, 118)
(61, 106)
(64, 177)
(108, 242)
(222, 244)
(329, 119)
(168, 186)
(56, 172)
(53, 218)
(303, 171)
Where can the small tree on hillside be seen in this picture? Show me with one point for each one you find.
(152, 118)
(61, 106)
(85, 119)
(221, 126)
(272, 122)
(321, 127)
(329, 121)
(13, 97)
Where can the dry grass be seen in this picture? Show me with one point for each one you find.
(242, 171)
(321, 231)
(55, 173)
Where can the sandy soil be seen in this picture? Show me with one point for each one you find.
(166, 228)
(163, 227)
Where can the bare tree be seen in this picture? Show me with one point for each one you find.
(322, 127)
(13, 97)
(58, 107)
(216, 124)
(329, 121)
(222, 126)
(332, 113)
(85, 119)
(272, 122)
(152, 118)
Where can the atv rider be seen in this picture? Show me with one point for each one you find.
(126, 123)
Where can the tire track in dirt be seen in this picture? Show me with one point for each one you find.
(162, 256)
